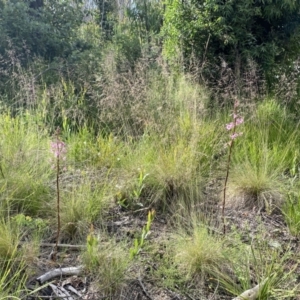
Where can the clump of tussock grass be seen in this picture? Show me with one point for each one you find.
(107, 262)
(261, 159)
(197, 252)
(12, 278)
(17, 258)
(32, 231)
(256, 183)
(257, 263)
(291, 212)
(81, 206)
(185, 164)
(25, 165)
(177, 162)
(9, 239)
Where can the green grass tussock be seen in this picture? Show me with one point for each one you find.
(107, 262)
(264, 157)
(83, 205)
(291, 211)
(198, 253)
(25, 164)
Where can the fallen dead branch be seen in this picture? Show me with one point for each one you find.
(61, 292)
(75, 247)
(70, 271)
(251, 294)
(144, 289)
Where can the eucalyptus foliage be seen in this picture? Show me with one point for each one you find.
(233, 31)
(48, 30)
(136, 31)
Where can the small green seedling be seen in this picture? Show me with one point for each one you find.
(139, 242)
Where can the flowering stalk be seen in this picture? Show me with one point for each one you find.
(231, 126)
(58, 149)
(1, 170)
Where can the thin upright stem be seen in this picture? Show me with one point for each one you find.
(57, 199)
(228, 167)
(1, 170)
(225, 185)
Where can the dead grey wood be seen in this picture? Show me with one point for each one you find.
(61, 292)
(72, 289)
(251, 294)
(76, 247)
(70, 271)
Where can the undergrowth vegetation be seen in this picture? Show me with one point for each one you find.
(147, 144)
(168, 167)
(166, 162)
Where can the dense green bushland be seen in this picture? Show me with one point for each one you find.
(232, 33)
(150, 98)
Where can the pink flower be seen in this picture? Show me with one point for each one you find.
(229, 126)
(239, 121)
(58, 148)
(232, 126)
(235, 135)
